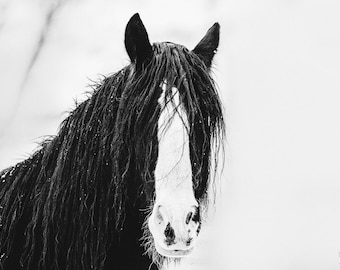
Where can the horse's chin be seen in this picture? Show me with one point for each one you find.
(173, 253)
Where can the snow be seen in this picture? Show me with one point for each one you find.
(278, 73)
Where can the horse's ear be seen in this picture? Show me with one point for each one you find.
(137, 42)
(207, 47)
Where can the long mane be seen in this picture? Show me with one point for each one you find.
(71, 194)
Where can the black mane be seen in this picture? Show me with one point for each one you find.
(71, 199)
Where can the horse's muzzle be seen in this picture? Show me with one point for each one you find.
(174, 229)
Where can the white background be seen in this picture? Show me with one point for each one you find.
(278, 71)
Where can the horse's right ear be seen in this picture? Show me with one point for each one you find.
(137, 42)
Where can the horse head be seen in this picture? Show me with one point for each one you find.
(188, 121)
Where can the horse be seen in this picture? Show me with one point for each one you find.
(125, 182)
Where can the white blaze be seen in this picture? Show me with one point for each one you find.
(175, 198)
(173, 169)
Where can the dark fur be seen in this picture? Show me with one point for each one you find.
(80, 201)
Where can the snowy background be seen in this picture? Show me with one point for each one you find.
(278, 71)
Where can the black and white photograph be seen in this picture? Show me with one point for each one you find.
(169, 135)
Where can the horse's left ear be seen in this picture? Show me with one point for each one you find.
(137, 42)
(207, 47)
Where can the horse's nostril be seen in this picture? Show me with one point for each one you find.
(188, 218)
(169, 234)
(193, 215)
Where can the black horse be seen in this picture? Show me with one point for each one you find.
(83, 200)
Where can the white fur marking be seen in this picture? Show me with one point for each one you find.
(173, 170)
(173, 181)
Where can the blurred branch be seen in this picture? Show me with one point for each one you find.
(51, 10)
(3, 7)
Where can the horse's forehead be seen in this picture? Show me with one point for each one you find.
(173, 114)
(174, 94)
(167, 45)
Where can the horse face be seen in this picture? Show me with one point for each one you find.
(175, 220)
